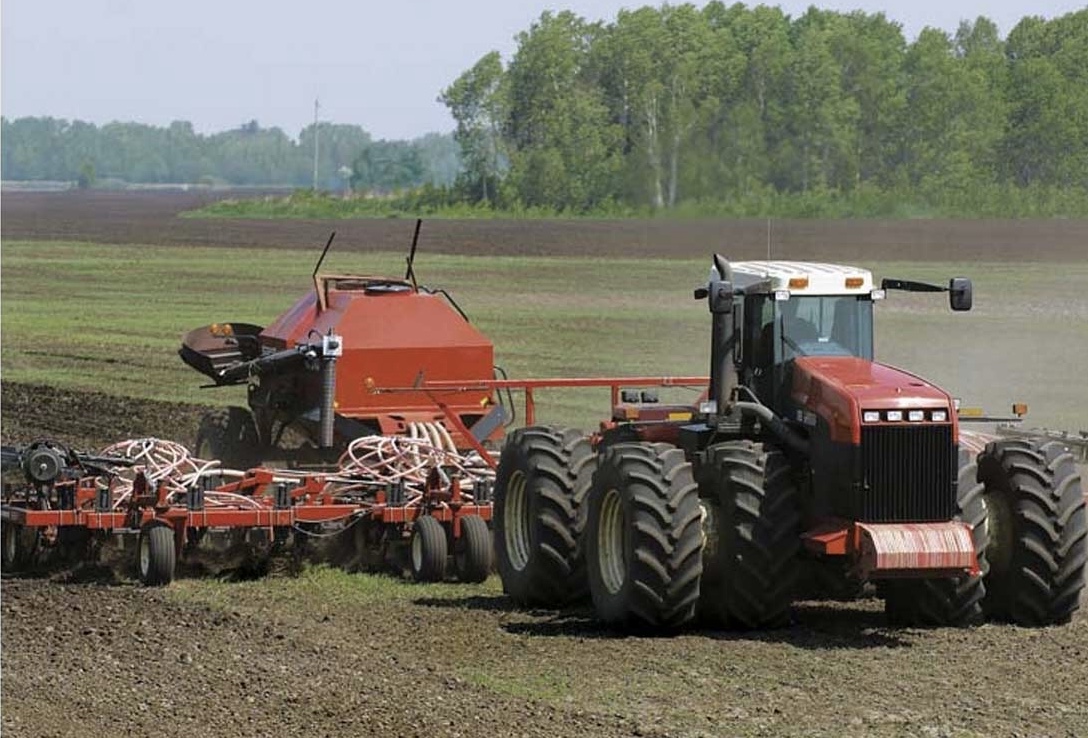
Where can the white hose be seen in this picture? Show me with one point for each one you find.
(369, 461)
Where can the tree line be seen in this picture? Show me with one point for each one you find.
(44, 148)
(736, 109)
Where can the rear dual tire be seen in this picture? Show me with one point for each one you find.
(541, 485)
(644, 537)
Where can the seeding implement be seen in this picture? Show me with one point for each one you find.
(807, 462)
(388, 494)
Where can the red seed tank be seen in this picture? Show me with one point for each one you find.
(394, 335)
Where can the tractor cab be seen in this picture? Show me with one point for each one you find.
(785, 310)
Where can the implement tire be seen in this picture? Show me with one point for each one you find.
(541, 484)
(430, 550)
(754, 536)
(956, 602)
(19, 546)
(644, 537)
(156, 555)
(1038, 532)
(474, 554)
(230, 435)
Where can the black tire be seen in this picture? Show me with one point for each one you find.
(543, 477)
(1038, 531)
(429, 550)
(474, 555)
(156, 556)
(230, 435)
(644, 537)
(955, 602)
(752, 557)
(19, 547)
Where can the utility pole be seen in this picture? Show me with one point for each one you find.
(316, 106)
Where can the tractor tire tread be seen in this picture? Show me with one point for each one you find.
(1045, 577)
(664, 522)
(759, 542)
(557, 464)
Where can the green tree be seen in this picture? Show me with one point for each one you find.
(1047, 141)
(87, 177)
(475, 102)
(823, 118)
(564, 150)
(385, 166)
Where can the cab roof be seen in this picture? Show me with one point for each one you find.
(801, 278)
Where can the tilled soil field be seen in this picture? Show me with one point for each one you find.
(86, 651)
(151, 218)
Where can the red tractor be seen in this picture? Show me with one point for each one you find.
(809, 462)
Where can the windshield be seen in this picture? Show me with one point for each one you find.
(825, 325)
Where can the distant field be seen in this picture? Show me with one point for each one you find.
(110, 318)
(152, 218)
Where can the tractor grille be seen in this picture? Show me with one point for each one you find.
(908, 474)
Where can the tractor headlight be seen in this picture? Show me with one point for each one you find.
(939, 416)
(895, 415)
(916, 416)
(708, 407)
(871, 416)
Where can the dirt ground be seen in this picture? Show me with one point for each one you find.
(151, 217)
(86, 651)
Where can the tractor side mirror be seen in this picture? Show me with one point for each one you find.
(959, 293)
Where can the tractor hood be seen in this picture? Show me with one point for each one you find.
(840, 388)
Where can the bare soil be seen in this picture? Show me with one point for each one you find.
(88, 652)
(151, 218)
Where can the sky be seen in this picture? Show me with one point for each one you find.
(381, 65)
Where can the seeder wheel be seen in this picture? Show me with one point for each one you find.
(20, 543)
(157, 555)
(474, 554)
(429, 550)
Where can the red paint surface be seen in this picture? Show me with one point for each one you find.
(838, 388)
